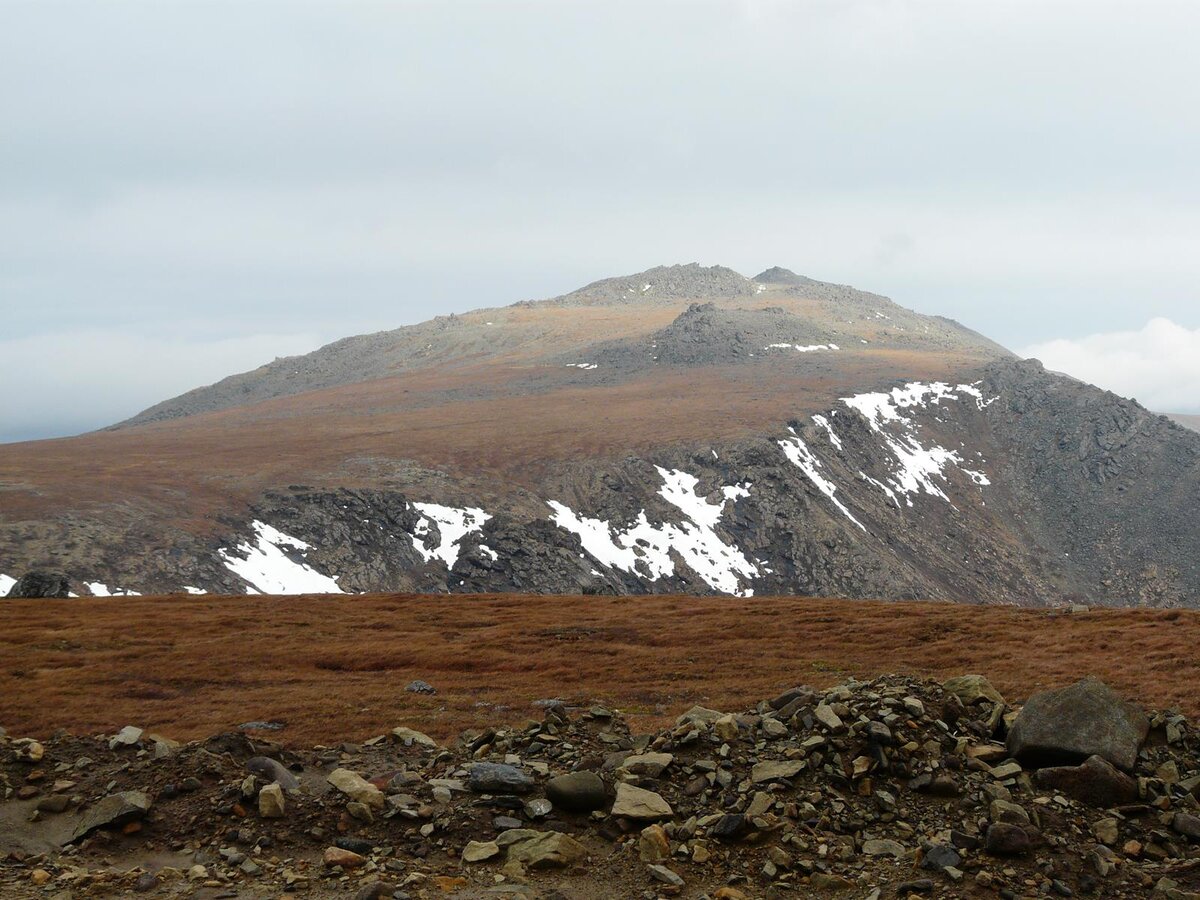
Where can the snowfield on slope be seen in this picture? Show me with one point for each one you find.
(915, 467)
(644, 549)
(269, 564)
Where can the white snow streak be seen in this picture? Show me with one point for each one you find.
(269, 569)
(6, 584)
(646, 549)
(452, 525)
(802, 457)
(194, 590)
(823, 422)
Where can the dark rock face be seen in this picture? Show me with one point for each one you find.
(1074, 723)
(1096, 782)
(36, 585)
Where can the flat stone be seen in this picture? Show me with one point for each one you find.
(126, 737)
(1066, 726)
(649, 765)
(638, 803)
(499, 778)
(699, 715)
(347, 859)
(409, 737)
(480, 851)
(827, 717)
(765, 772)
(113, 810)
(54, 804)
(1097, 783)
(792, 695)
(1107, 831)
(545, 850)
(884, 848)
(665, 875)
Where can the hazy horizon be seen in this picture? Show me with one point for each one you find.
(195, 189)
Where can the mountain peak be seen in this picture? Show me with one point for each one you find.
(686, 281)
(780, 275)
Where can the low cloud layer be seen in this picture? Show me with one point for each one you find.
(60, 384)
(1158, 364)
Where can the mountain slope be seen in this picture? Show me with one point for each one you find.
(685, 429)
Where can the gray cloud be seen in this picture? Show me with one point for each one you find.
(224, 170)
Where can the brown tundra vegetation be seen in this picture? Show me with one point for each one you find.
(335, 669)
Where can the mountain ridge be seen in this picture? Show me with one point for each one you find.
(458, 336)
(800, 439)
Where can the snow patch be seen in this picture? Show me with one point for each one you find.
(645, 549)
(6, 584)
(452, 524)
(270, 564)
(802, 348)
(916, 466)
(581, 366)
(194, 590)
(100, 589)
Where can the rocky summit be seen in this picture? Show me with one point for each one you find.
(891, 788)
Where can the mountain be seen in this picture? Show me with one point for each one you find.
(685, 429)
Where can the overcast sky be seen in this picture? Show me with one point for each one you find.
(191, 189)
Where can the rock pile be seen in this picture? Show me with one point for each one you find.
(892, 788)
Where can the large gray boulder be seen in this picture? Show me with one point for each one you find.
(1066, 726)
(38, 585)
